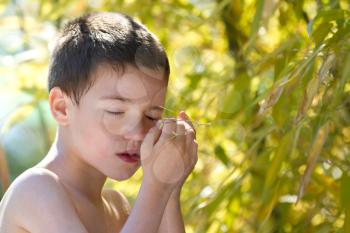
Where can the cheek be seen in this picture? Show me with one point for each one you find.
(89, 136)
(111, 125)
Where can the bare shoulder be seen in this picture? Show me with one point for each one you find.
(118, 200)
(36, 201)
(31, 182)
(31, 179)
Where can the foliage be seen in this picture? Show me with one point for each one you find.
(267, 83)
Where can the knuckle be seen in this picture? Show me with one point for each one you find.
(195, 159)
(189, 125)
(169, 122)
(193, 133)
(181, 127)
(190, 132)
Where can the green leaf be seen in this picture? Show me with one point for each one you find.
(310, 92)
(255, 25)
(325, 16)
(257, 17)
(281, 110)
(281, 152)
(220, 153)
(320, 33)
(229, 103)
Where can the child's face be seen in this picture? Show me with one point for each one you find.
(114, 116)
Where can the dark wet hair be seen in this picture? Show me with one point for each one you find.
(97, 38)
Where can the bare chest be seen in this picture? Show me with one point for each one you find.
(105, 219)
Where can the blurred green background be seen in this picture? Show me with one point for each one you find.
(267, 84)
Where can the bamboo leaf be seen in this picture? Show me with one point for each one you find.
(313, 86)
(220, 153)
(255, 24)
(309, 94)
(345, 200)
(229, 103)
(270, 198)
(320, 139)
(271, 99)
(320, 33)
(281, 152)
(281, 110)
(325, 16)
(257, 17)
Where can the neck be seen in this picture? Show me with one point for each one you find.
(75, 173)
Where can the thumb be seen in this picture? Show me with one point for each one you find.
(148, 142)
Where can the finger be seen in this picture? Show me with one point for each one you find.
(180, 128)
(190, 137)
(169, 128)
(194, 153)
(183, 115)
(180, 137)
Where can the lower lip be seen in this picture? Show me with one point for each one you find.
(129, 158)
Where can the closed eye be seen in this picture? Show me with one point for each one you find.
(120, 113)
(152, 119)
(115, 113)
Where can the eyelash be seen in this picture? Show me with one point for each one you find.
(152, 119)
(120, 113)
(114, 113)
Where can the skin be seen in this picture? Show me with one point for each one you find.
(64, 192)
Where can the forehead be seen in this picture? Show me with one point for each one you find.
(133, 84)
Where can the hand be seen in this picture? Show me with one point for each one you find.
(169, 153)
(189, 126)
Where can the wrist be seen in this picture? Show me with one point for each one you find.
(176, 193)
(157, 188)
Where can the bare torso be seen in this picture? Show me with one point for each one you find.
(106, 217)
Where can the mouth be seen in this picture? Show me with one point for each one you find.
(129, 157)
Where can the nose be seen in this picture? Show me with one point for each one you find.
(136, 131)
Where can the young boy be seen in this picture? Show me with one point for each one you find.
(107, 82)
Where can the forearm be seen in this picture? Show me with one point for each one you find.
(172, 221)
(148, 210)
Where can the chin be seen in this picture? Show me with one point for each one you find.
(122, 175)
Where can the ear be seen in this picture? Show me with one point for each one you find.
(59, 103)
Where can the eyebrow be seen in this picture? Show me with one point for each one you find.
(123, 99)
(116, 97)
